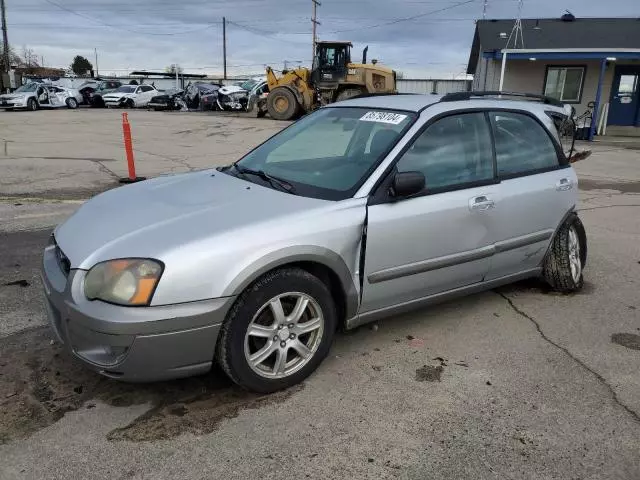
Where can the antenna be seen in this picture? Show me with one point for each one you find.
(484, 9)
(517, 29)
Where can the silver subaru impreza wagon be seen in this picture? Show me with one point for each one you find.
(358, 211)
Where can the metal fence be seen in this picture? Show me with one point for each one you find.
(435, 86)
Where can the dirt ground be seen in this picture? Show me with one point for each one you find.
(513, 383)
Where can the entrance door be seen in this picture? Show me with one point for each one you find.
(623, 107)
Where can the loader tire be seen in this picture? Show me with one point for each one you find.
(282, 104)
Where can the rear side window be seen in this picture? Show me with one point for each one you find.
(452, 152)
(522, 144)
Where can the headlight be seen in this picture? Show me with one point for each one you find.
(129, 281)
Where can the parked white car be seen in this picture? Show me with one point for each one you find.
(130, 96)
(33, 96)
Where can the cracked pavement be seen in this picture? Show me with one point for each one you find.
(513, 383)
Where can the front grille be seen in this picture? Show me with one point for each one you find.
(63, 261)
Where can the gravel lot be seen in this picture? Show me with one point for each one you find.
(514, 383)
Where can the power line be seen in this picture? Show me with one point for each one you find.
(62, 7)
(405, 19)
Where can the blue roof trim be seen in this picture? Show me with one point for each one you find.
(497, 55)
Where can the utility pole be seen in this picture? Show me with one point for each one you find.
(484, 9)
(5, 39)
(224, 46)
(314, 22)
(95, 51)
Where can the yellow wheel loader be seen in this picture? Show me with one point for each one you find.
(333, 78)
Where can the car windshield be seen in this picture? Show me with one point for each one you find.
(329, 153)
(248, 85)
(126, 89)
(29, 87)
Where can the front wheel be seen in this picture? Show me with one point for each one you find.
(278, 332)
(567, 257)
(282, 104)
(72, 103)
(32, 105)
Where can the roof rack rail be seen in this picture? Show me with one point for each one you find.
(457, 96)
(367, 95)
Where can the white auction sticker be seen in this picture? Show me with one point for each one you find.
(383, 117)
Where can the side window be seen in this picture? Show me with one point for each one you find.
(522, 144)
(146, 88)
(453, 151)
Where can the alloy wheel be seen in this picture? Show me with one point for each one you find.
(284, 335)
(574, 255)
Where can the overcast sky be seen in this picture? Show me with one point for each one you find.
(152, 34)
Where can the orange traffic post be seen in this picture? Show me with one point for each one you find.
(128, 148)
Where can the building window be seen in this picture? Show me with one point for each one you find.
(564, 83)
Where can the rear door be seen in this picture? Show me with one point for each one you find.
(537, 189)
(440, 239)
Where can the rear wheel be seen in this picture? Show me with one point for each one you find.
(72, 103)
(567, 257)
(282, 104)
(32, 105)
(278, 332)
(348, 93)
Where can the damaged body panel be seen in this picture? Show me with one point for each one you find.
(33, 96)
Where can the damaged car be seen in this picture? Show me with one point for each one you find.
(236, 97)
(195, 93)
(92, 94)
(130, 96)
(362, 209)
(33, 96)
(168, 100)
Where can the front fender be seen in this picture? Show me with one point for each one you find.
(294, 254)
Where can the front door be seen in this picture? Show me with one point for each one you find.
(625, 92)
(440, 239)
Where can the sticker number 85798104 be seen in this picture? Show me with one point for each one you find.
(383, 117)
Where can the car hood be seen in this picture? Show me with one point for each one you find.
(118, 95)
(231, 89)
(155, 218)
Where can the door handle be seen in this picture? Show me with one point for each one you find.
(564, 184)
(481, 203)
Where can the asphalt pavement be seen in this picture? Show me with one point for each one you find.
(513, 383)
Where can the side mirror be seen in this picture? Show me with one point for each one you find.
(406, 184)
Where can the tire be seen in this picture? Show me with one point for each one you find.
(287, 287)
(567, 257)
(282, 104)
(72, 103)
(348, 93)
(32, 105)
(129, 103)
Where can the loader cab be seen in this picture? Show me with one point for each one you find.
(330, 64)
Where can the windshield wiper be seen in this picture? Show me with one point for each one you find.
(274, 181)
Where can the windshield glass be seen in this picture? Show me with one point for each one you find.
(127, 89)
(248, 85)
(29, 87)
(330, 152)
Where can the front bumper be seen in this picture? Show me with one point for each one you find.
(13, 104)
(137, 344)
